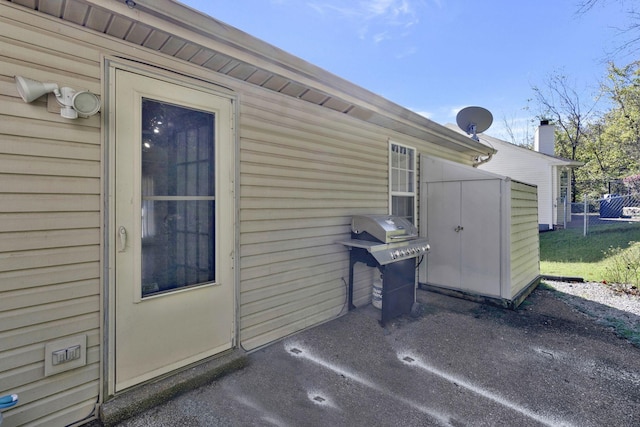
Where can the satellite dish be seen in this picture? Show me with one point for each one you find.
(474, 120)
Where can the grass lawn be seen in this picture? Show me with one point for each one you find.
(569, 253)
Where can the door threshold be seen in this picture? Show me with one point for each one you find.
(131, 402)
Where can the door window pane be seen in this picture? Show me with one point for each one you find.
(181, 253)
(178, 197)
(177, 149)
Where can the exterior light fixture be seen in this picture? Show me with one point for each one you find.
(73, 103)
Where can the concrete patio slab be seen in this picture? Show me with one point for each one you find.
(459, 363)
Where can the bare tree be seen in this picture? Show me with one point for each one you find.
(561, 102)
(519, 130)
(630, 33)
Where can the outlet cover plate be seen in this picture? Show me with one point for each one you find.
(75, 349)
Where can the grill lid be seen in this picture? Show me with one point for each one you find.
(384, 228)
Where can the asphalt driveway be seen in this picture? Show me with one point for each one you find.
(459, 363)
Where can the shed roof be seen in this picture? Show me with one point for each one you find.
(174, 29)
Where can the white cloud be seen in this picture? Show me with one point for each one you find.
(408, 51)
(394, 13)
(381, 36)
(388, 8)
(426, 114)
(377, 20)
(453, 111)
(443, 114)
(340, 11)
(377, 7)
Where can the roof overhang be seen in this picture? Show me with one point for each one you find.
(206, 42)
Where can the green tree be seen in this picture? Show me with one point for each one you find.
(610, 145)
(603, 162)
(623, 120)
(607, 143)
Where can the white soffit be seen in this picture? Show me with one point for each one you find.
(113, 18)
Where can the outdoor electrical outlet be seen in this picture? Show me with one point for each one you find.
(65, 354)
(58, 357)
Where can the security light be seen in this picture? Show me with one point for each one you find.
(30, 90)
(74, 103)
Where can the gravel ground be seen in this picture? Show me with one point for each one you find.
(618, 310)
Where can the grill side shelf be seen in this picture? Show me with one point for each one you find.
(386, 253)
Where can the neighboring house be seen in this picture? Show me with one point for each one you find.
(197, 212)
(550, 173)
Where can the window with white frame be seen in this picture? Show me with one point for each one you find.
(402, 181)
(564, 183)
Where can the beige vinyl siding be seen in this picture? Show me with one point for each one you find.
(304, 172)
(525, 247)
(363, 284)
(49, 229)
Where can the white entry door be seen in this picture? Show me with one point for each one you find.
(173, 227)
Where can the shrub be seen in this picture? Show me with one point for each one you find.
(632, 183)
(623, 268)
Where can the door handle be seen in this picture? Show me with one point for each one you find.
(458, 229)
(122, 233)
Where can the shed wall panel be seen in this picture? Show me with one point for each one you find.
(525, 247)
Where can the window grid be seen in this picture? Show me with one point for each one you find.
(402, 181)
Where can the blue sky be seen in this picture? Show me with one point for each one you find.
(438, 56)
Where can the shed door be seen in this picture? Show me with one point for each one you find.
(480, 245)
(464, 233)
(173, 226)
(444, 210)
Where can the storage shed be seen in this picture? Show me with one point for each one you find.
(483, 229)
(196, 213)
(540, 167)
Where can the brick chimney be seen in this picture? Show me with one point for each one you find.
(544, 140)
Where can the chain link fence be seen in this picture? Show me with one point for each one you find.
(594, 214)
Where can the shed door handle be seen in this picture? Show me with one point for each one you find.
(458, 229)
(122, 233)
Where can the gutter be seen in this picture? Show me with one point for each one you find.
(365, 105)
(479, 161)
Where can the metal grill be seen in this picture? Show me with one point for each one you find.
(392, 245)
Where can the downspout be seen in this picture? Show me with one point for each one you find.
(479, 161)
